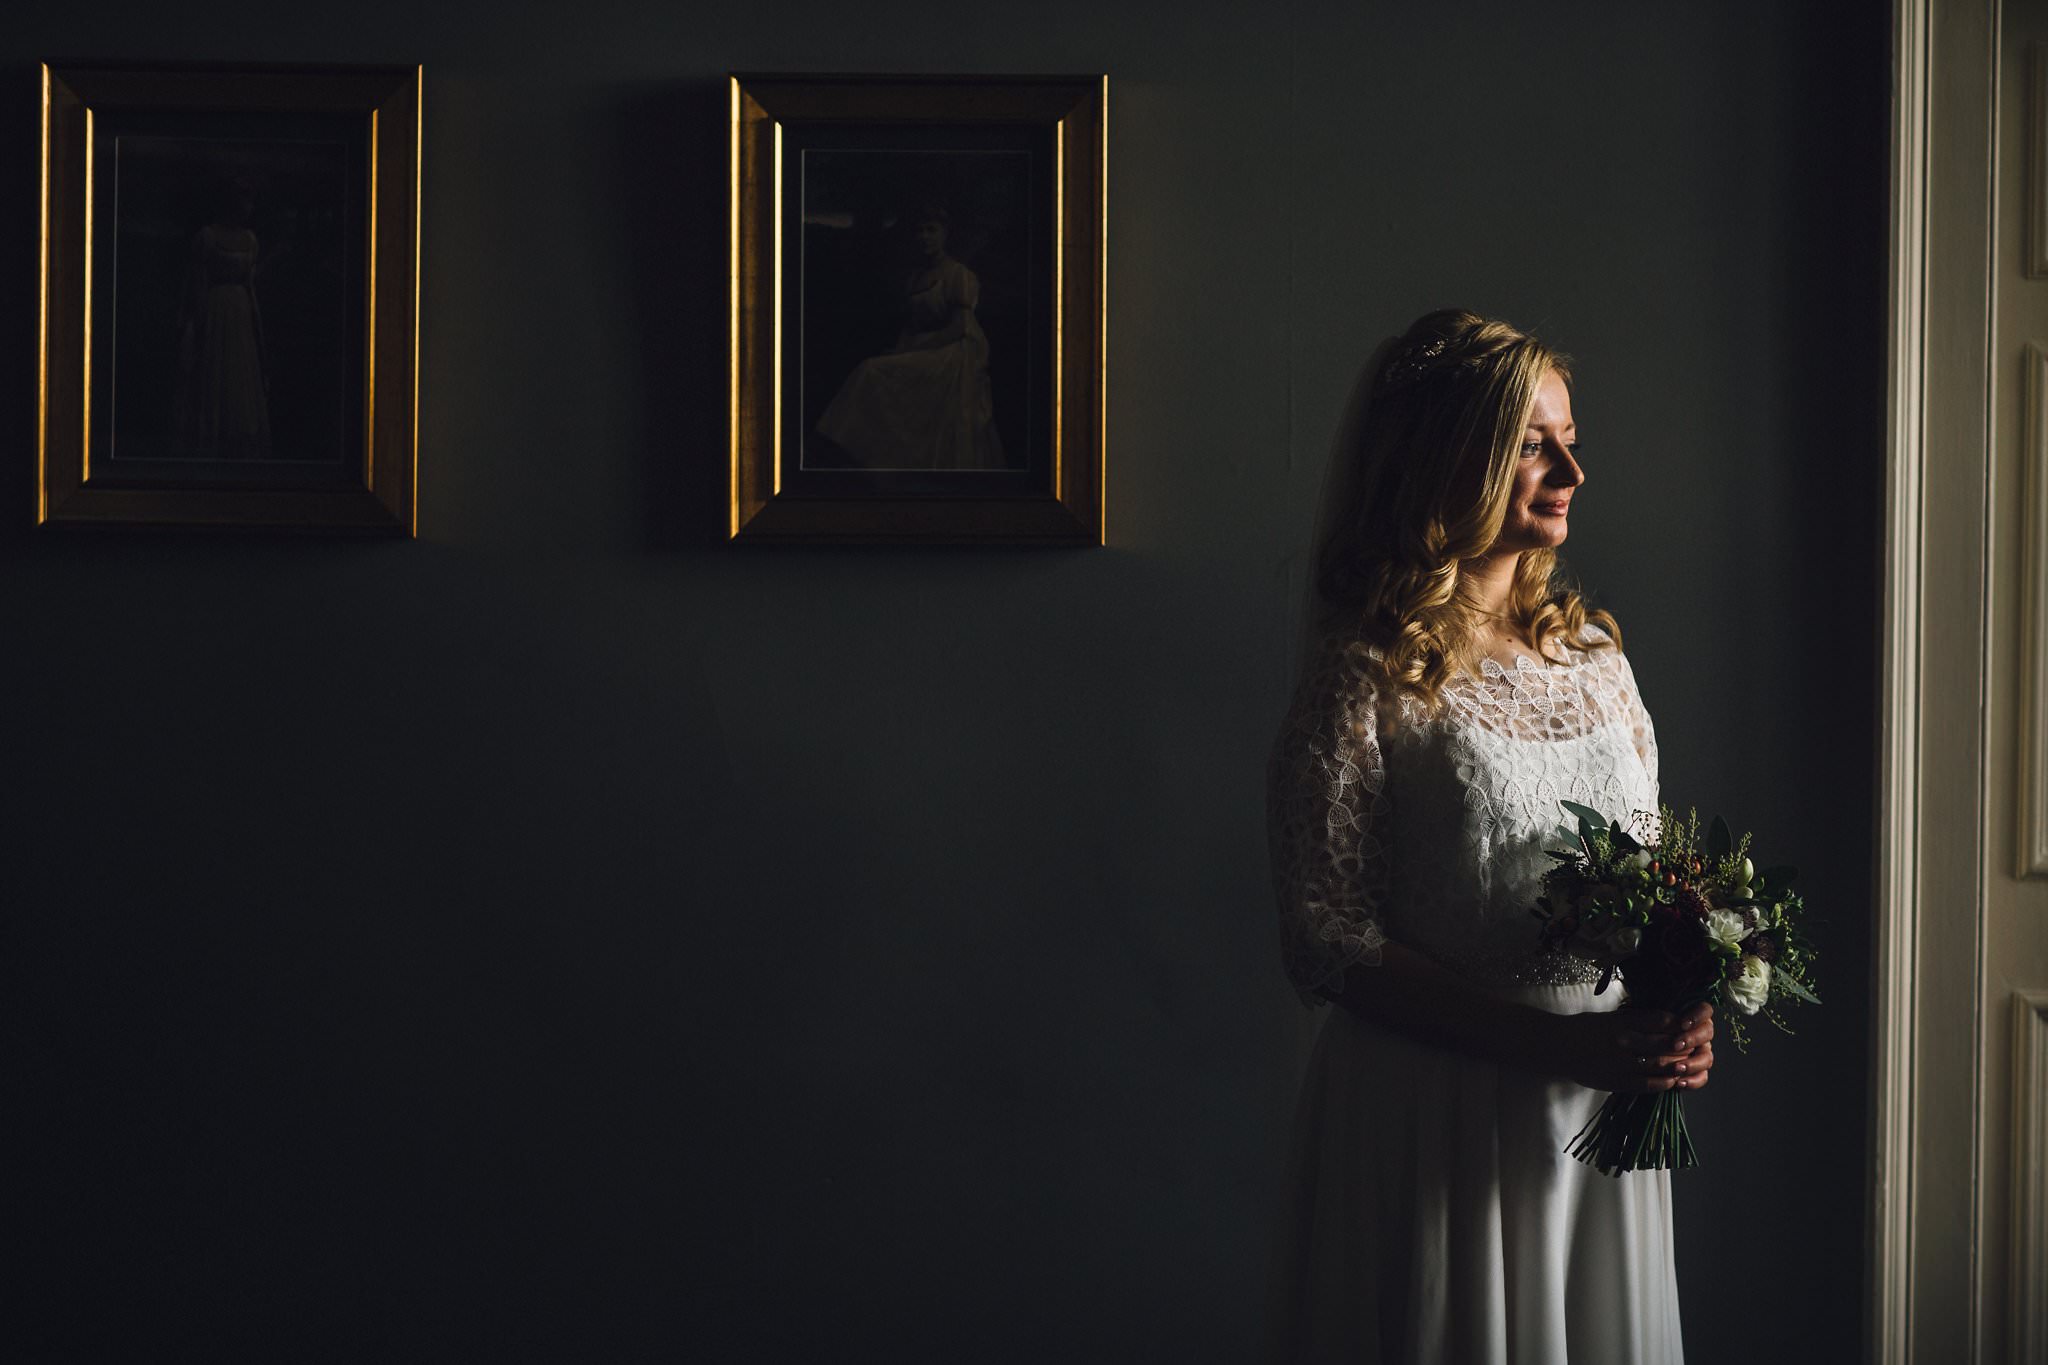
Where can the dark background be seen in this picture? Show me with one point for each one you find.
(567, 937)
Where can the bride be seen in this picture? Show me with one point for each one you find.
(1457, 690)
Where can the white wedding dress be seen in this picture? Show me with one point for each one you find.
(1434, 1215)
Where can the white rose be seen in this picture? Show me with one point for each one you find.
(1641, 859)
(1726, 927)
(1624, 940)
(1750, 987)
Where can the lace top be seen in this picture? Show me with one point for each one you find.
(1389, 817)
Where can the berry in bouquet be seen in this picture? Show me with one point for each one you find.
(1684, 919)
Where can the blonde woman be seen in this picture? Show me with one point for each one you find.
(1456, 689)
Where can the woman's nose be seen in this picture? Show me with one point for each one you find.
(1564, 468)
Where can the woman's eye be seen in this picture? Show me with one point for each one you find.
(1532, 447)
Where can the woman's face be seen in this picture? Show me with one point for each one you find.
(1547, 472)
(931, 239)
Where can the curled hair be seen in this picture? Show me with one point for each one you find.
(1435, 469)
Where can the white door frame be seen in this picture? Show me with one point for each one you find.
(1924, 1276)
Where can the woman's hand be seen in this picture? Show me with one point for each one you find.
(1694, 1047)
(1635, 1051)
(1630, 1050)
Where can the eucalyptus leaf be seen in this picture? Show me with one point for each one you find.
(1586, 814)
(1784, 982)
(1719, 841)
(1606, 979)
(1623, 840)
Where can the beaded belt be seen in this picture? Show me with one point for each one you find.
(1522, 969)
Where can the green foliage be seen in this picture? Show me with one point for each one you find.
(1790, 984)
(1605, 885)
(1588, 818)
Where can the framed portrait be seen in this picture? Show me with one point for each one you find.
(229, 297)
(918, 306)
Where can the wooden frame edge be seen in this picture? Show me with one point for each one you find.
(1889, 1310)
(2037, 162)
(391, 406)
(1925, 1273)
(2029, 1166)
(2032, 805)
(45, 153)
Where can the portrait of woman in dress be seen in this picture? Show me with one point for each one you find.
(223, 390)
(925, 403)
(1455, 688)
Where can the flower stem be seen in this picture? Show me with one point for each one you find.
(1636, 1133)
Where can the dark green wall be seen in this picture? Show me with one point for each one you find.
(566, 937)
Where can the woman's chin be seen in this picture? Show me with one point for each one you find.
(1540, 537)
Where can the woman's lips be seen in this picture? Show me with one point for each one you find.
(1553, 509)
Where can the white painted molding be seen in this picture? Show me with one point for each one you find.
(2033, 681)
(2037, 162)
(1926, 1267)
(2029, 1329)
(1890, 1263)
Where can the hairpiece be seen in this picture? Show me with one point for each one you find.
(1412, 364)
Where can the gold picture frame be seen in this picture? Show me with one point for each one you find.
(918, 308)
(229, 297)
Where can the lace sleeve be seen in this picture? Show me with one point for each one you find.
(1326, 811)
(1612, 693)
(1639, 728)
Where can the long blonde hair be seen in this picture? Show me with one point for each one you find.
(1435, 467)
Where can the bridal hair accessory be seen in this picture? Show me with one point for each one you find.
(1405, 367)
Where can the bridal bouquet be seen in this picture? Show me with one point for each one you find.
(1683, 920)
